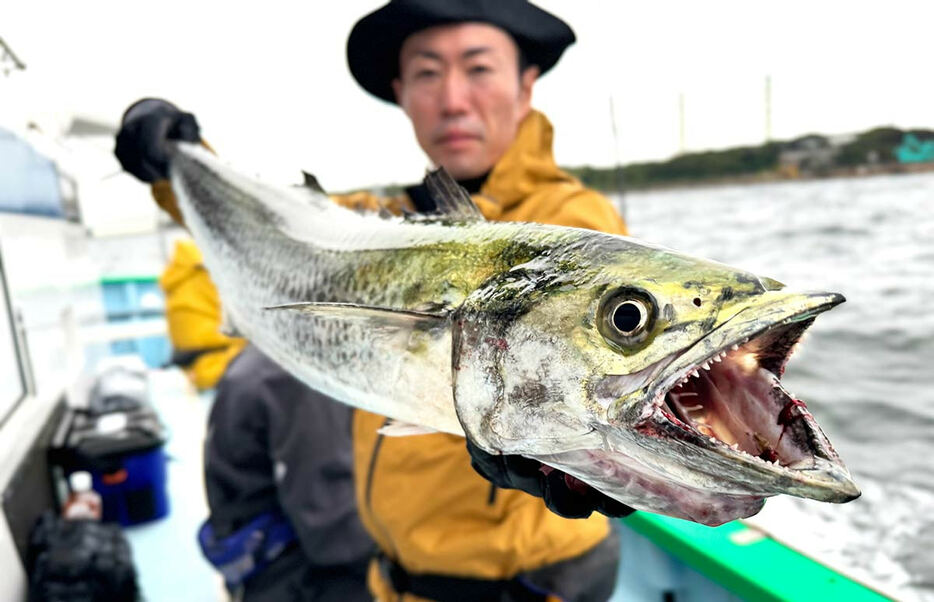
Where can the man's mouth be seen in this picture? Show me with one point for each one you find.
(457, 138)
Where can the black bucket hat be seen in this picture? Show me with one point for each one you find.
(376, 39)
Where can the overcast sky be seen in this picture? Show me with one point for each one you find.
(268, 81)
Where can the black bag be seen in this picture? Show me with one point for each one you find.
(79, 561)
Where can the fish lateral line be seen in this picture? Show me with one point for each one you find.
(386, 316)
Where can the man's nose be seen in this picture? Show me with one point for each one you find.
(455, 93)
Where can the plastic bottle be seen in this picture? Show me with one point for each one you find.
(84, 503)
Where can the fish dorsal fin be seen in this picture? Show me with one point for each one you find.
(377, 316)
(451, 199)
(310, 181)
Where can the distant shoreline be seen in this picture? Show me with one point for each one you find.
(774, 177)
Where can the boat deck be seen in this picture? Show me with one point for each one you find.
(166, 551)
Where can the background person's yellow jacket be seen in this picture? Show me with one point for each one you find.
(193, 314)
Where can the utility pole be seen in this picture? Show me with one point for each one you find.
(768, 108)
(8, 60)
(681, 123)
(620, 185)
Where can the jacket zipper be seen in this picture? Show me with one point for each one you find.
(369, 492)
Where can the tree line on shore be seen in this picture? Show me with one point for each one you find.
(811, 154)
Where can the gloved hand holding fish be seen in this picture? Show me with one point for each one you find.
(648, 374)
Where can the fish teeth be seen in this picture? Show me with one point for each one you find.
(735, 347)
(706, 365)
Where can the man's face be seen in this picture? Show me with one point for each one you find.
(460, 86)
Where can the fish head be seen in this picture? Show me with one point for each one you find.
(652, 376)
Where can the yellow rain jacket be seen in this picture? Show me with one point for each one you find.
(193, 312)
(418, 496)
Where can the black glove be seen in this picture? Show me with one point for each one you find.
(145, 128)
(563, 494)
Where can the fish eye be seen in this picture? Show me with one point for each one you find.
(626, 317)
(629, 316)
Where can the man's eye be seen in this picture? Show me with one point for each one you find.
(479, 69)
(423, 74)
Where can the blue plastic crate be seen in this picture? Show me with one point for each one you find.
(137, 300)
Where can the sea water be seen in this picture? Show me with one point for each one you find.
(866, 369)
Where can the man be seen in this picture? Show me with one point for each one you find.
(463, 72)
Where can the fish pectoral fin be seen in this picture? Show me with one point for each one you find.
(397, 428)
(451, 200)
(383, 316)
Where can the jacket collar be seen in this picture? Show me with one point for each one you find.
(527, 165)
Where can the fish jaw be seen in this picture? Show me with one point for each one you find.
(717, 415)
(628, 479)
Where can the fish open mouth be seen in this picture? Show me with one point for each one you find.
(735, 397)
(724, 395)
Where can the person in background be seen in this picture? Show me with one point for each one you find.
(193, 314)
(452, 522)
(278, 463)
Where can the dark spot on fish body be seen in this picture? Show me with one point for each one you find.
(587, 322)
(699, 286)
(531, 394)
(456, 336)
(725, 295)
(668, 312)
(516, 252)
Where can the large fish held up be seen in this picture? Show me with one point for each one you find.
(651, 375)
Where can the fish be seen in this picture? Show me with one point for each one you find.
(651, 375)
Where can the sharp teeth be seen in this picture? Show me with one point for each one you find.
(706, 365)
(735, 447)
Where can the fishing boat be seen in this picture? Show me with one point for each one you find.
(66, 308)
